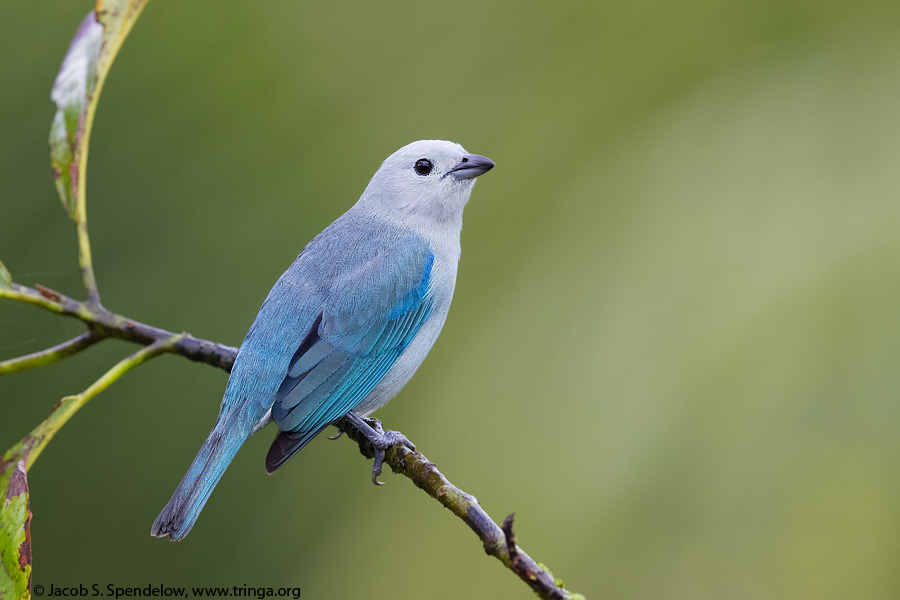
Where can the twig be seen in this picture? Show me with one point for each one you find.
(425, 475)
(105, 324)
(88, 279)
(535, 575)
(50, 355)
(32, 445)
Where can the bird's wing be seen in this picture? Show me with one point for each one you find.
(370, 317)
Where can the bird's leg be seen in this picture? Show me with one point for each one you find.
(381, 440)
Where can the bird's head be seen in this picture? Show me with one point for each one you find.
(428, 180)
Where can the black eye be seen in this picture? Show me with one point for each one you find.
(423, 166)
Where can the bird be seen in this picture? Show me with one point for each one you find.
(347, 324)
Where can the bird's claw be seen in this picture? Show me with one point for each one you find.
(336, 436)
(381, 440)
(376, 467)
(388, 439)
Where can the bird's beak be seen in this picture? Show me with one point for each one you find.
(471, 166)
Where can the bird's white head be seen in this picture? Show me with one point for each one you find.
(425, 183)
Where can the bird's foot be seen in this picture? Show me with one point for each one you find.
(381, 440)
(388, 438)
(336, 436)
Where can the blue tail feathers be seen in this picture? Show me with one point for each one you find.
(179, 515)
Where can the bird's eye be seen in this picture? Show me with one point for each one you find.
(423, 166)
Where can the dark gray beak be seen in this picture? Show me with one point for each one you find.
(471, 165)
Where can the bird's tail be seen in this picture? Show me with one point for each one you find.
(179, 515)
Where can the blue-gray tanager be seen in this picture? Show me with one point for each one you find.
(348, 323)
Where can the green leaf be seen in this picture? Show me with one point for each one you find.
(15, 518)
(15, 528)
(5, 277)
(77, 90)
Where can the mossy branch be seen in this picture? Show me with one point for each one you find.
(497, 541)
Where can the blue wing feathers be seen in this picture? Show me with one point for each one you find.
(304, 364)
(328, 371)
(327, 404)
(297, 365)
(360, 337)
(339, 382)
(415, 296)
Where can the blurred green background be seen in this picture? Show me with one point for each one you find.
(674, 348)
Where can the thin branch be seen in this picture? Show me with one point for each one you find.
(88, 279)
(425, 475)
(106, 324)
(50, 355)
(31, 446)
(30, 296)
(534, 574)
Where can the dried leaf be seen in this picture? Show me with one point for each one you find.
(77, 90)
